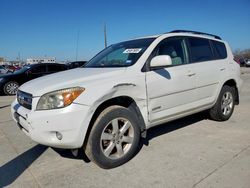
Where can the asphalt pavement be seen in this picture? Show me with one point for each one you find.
(190, 152)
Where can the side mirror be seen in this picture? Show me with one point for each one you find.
(161, 61)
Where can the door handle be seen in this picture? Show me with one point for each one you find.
(191, 74)
(222, 69)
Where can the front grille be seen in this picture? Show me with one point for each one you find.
(24, 99)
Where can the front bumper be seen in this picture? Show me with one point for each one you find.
(42, 126)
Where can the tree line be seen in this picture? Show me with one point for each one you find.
(242, 54)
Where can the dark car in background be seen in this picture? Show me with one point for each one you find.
(76, 64)
(9, 83)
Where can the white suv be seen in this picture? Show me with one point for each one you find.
(106, 106)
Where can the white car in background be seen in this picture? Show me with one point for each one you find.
(248, 63)
(106, 106)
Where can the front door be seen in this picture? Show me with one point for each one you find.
(171, 90)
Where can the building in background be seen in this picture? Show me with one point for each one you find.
(1, 60)
(41, 60)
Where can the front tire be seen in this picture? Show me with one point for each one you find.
(10, 88)
(114, 137)
(224, 106)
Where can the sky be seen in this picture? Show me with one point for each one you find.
(38, 28)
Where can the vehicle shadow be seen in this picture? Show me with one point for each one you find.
(5, 106)
(66, 153)
(171, 126)
(11, 170)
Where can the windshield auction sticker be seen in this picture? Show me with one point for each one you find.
(132, 51)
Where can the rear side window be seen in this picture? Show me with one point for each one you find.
(220, 51)
(38, 69)
(55, 68)
(200, 49)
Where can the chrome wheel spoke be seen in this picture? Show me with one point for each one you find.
(109, 149)
(226, 96)
(125, 127)
(119, 150)
(107, 136)
(115, 127)
(127, 139)
(223, 106)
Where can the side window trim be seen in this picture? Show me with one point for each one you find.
(214, 52)
(186, 51)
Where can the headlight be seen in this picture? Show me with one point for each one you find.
(59, 99)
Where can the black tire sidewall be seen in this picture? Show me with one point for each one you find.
(97, 154)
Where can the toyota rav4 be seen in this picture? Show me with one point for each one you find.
(106, 106)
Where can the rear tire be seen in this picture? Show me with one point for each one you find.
(224, 106)
(114, 137)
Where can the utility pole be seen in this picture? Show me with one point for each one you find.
(19, 59)
(77, 41)
(105, 36)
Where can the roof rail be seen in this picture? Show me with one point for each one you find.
(195, 32)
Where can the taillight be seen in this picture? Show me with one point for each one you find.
(237, 61)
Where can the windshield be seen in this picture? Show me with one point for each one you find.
(121, 55)
(22, 69)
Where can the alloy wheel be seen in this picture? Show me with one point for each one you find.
(117, 138)
(227, 103)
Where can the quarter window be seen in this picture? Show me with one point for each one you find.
(219, 49)
(200, 50)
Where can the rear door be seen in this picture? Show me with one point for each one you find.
(53, 68)
(37, 71)
(171, 90)
(208, 69)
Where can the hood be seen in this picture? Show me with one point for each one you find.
(8, 75)
(71, 78)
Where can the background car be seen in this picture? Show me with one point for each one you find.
(9, 83)
(242, 62)
(76, 64)
(247, 63)
(3, 70)
(12, 68)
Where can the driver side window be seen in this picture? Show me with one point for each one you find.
(175, 48)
